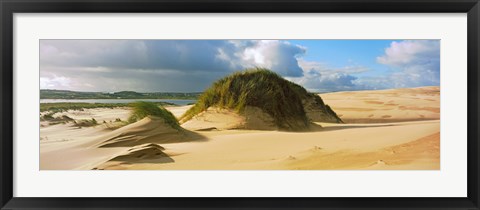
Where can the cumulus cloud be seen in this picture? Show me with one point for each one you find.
(411, 52)
(199, 62)
(279, 56)
(319, 77)
(411, 63)
(192, 65)
(414, 63)
(320, 82)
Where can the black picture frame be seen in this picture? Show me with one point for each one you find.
(10, 7)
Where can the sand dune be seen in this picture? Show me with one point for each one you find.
(145, 153)
(423, 153)
(91, 146)
(214, 119)
(223, 119)
(148, 130)
(379, 106)
(408, 137)
(336, 147)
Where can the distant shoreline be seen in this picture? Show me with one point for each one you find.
(180, 102)
(77, 95)
(81, 95)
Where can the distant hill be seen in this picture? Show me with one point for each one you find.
(67, 94)
(264, 99)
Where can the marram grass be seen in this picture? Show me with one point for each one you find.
(257, 87)
(142, 109)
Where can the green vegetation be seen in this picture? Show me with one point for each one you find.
(332, 113)
(64, 119)
(115, 124)
(260, 88)
(86, 123)
(328, 114)
(141, 109)
(62, 107)
(55, 120)
(66, 94)
(47, 117)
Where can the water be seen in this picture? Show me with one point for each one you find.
(117, 101)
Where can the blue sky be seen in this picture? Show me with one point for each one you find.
(192, 65)
(340, 53)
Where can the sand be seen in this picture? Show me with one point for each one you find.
(337, 147)
(148, 130)
(393, 105)
(223, 119)
(368, 141)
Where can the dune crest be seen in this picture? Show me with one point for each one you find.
(145, 153)
(150, 129)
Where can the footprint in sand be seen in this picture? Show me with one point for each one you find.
(380, 162)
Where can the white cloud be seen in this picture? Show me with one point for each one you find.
(183, 55)
(279, 56)
(410, 52)
(54, 82)
(191, 65)
(318, 77)
(414, 63)
(128, 61)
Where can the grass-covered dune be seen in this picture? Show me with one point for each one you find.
(281, 99)
(147, 124)
(142, 109)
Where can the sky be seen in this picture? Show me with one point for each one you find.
(192, 65)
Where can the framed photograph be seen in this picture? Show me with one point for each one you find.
(239, 105)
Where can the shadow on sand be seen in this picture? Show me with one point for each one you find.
(334, 128)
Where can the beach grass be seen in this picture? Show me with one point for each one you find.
(86, 122)
(256, 87)
(142, 109)
(62, 107)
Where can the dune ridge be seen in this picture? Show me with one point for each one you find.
(145, 153)
(150, 129)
